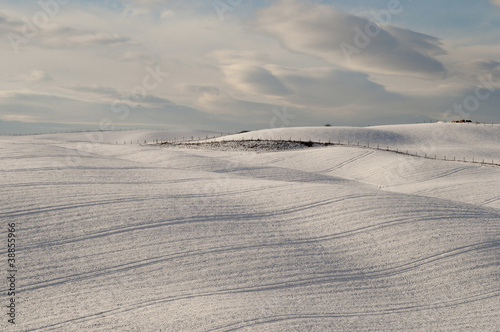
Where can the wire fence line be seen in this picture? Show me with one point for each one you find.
(309, 143)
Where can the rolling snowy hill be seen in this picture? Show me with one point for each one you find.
(131, 237)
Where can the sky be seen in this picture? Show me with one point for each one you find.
(232, 65)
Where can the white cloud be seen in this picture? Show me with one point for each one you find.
(472, 69)
(139, 57)
(254, 80)
(230, 72)
(64, 37)
(199, 89)
(39, 76)
(167, 14)
(43, 107)
(57, 34)
(96, 89)
(7, 23)
(133, 11)
(332, 35)
(327, 88)
(223, 103)
(322, 88)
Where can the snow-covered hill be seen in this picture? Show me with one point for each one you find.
(443, 139)
(130, 237)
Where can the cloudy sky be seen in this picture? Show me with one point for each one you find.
(231, 65)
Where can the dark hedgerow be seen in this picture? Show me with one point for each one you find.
(308, 144)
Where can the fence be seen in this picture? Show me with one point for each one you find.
(309, 143)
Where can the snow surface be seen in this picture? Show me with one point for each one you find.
(130, 237)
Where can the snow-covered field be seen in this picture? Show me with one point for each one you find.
(132, 237)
